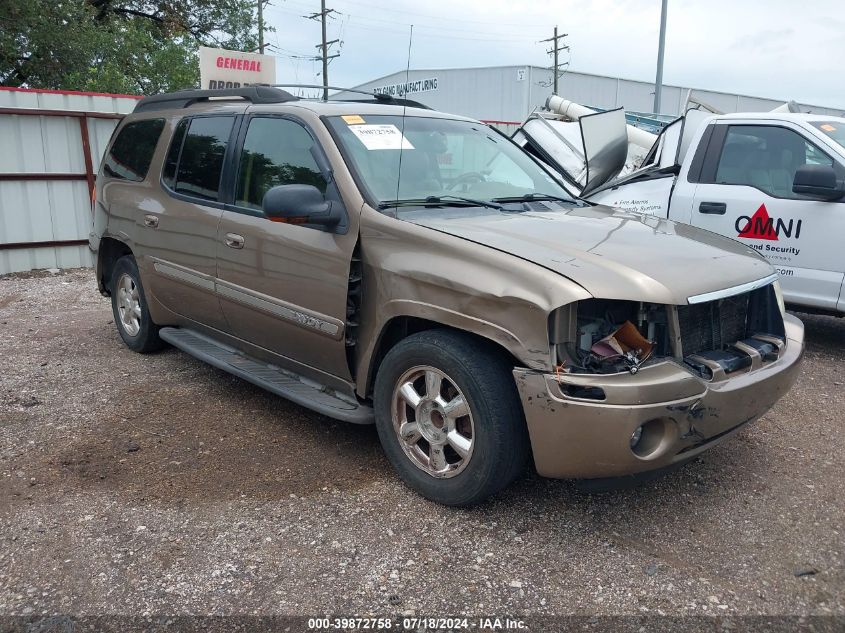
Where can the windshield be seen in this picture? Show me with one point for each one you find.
(441, 158)
(832, 129)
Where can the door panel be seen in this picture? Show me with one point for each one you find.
(285, 289)
(283, 286)
(794, 235)
(182, 260)
(749, 198)
(181, 231)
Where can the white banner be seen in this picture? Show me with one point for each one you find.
(220, 68)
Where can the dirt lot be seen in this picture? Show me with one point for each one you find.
(155, 484)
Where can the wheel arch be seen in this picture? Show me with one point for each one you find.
(110, 250)
(399, 326)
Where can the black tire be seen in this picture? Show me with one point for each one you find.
(146, 339)
(483, 374)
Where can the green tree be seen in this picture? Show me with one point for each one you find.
(126, 46)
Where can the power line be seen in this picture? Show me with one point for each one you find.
(555, 51)
(324, 46)
(261, 26)
(452, 19)
(354, 25)
(373, 21)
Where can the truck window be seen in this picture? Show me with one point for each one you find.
(201, 159)
(276, 152)
(131, 153)
(766, 157)
(833, 129)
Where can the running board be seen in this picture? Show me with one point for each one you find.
(283, 383)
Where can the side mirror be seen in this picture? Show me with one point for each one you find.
(818, 181)
(300, 204)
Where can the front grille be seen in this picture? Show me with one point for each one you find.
(712, 325)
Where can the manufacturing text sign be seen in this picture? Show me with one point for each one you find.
(408, 87)
(220, 68)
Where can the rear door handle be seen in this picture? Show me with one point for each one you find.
(151, 221)
(233, 240)
(713, 208)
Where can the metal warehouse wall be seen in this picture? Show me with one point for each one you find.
(510, 93)
(481, 93)
(41, 209)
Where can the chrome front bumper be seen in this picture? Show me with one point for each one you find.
(682, 413)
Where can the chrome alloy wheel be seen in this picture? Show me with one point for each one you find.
(433, 422)
(129, 305)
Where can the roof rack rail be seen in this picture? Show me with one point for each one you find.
(258, 93)
(394, 101)
(378, 96)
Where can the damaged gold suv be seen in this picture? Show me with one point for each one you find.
(377, 261)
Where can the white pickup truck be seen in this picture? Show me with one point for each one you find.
(773, 180)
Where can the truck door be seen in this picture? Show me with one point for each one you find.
(283, 287)
(744, 191)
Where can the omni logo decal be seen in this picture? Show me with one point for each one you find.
(761, 226)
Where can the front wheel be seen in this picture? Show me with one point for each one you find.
(449, 417)
(129, 306)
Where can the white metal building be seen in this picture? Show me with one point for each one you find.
(50, 148)
(511, 93)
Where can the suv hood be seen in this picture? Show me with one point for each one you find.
(611, 253)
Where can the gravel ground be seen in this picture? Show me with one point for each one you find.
(156, 484)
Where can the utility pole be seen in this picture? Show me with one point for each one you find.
(261, 26)
(556, 40)
(325, 57)
(658, 81)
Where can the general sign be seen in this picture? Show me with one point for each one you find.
(220, 68)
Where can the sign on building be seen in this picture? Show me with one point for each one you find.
(220, 68)
(409, 87)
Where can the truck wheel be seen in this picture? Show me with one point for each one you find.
(449, 417)
(129, 306)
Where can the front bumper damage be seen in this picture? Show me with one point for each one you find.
(682, 414)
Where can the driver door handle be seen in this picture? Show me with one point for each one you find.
(713, 208)
(233, 240)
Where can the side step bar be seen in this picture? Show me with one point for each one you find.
(274, 379)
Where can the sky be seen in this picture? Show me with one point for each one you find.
(768, 48)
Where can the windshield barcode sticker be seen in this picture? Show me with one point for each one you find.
(381, 136)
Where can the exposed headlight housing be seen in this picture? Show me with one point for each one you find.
(576, 328)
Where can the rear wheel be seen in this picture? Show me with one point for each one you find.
(449, 417)
(129, 306)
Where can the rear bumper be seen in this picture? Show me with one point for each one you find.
(682, 414)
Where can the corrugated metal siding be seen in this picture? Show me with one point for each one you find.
(480, 93)
(57, 100)
(49, 210)
(496, 93)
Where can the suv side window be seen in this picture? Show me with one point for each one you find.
(172, 159)
(276, 151)
(131, 153)
(766, 157)
(200, 161)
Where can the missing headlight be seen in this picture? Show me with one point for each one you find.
(609, 336)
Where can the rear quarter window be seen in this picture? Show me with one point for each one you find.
(131, 153)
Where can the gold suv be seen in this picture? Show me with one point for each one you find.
(377, 261)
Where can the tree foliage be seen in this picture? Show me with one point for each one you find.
(123, 46)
